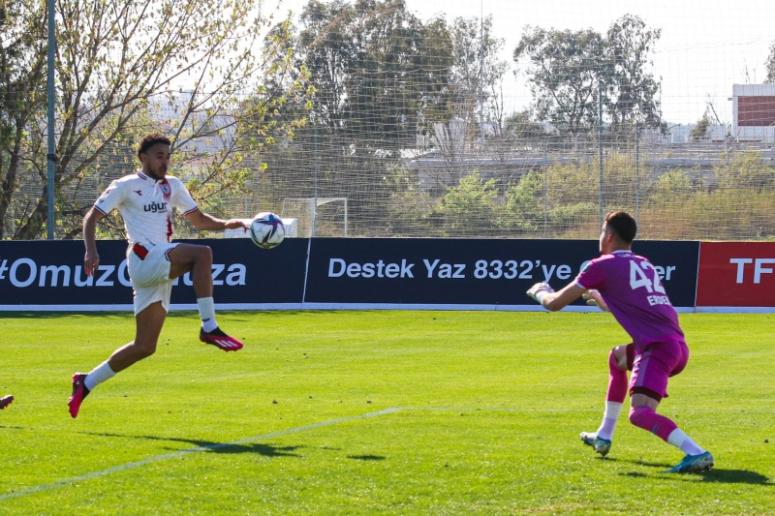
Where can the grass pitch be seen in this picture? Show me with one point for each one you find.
(375, 412)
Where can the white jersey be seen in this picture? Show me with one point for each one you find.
(146, 205)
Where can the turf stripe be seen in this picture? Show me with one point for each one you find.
(166, 456)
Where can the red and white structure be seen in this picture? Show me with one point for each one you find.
(753, 108)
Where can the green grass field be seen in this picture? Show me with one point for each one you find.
(372, 412)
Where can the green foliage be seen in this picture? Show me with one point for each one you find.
(565, 70)
(477, 72)
(568, 68)
(672, 185)
(22, 98)
(469, 207)
(521, 127)
(379, 71)
(700, 131)
(525, 204)
(410, 207)
(745, 171)
(770, 64)
(571, 183)
(116, 62)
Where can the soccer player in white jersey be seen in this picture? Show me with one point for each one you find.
(5, 401)
(629, 287)
(146, 200)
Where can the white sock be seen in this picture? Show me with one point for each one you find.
(610, 416)
(98, 375)
(685, 443)
(207, 313)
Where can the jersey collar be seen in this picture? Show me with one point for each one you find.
(145, 177)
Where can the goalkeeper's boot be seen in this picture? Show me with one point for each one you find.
(5, 401)
(80, 391)
(220, 340)
(600, 445)
(694, 464)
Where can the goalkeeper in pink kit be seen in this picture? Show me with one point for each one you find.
(629, 287)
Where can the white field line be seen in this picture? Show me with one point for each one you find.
(166, 456)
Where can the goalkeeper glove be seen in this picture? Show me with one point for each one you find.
(539, 291)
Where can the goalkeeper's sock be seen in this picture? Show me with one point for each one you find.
(610, 416)
(617, 392)
(207, 313)
(680, 440)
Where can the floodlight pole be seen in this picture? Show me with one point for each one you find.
(51, 156)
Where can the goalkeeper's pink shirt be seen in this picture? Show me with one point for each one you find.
(632, 289)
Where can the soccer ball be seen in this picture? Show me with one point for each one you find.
(267, 230)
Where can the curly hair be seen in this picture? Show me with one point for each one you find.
(151, 140)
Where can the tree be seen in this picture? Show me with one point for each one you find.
(520, 127)
(569, 69)
(379, 71)
(770, 64)
(477, 72)
(469, 207)
(116, 63)
(632, 92)
(381, 78)
(565, 75)
(746, 171)
(700, 130)
(525, 204)
(22, 73)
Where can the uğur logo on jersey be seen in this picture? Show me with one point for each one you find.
(155, 207)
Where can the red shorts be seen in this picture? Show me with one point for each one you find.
(654, 365)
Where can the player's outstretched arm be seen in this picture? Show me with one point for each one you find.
(551, 300)
(205, 221)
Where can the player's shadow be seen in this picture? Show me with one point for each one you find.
(265, 450)
(720, 475)
(367, 457)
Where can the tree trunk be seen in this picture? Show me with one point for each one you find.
(9, 182)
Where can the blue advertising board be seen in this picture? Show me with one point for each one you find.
(471, 272)
(48, 275)
(337, 273)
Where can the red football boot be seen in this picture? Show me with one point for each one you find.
(80, 391)
(220, 340)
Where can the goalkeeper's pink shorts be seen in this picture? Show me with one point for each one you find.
(655, 364)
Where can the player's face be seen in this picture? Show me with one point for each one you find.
(156, 160)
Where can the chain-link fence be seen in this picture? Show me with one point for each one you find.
(489, 187)
(542, 188)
